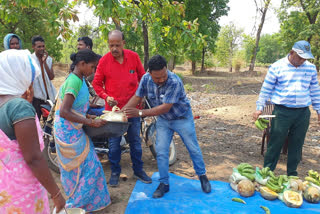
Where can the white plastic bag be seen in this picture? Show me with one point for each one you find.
(114, 115)
(259, 179)
(314, 185)
(236, 177)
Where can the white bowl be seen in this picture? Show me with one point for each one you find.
(70, 211)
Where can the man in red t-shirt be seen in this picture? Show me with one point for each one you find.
(116, 81)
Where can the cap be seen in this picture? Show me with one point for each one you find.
(303, 49)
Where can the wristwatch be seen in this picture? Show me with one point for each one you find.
(140, 113)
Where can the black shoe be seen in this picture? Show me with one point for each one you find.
(142, 176)
(205, 184)
(161, 190)
(114, 180)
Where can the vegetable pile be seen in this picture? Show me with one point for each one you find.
(289, 189)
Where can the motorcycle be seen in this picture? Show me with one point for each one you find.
(147, 133)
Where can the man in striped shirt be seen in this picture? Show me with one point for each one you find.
(292, 85)
(169, 102)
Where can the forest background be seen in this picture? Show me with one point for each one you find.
(182, 31)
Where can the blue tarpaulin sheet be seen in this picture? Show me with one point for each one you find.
(186, 196)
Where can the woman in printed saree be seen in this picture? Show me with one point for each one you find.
(12, 41)
(82, 176)
(24, 174)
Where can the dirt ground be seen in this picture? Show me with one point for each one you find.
(226, 132)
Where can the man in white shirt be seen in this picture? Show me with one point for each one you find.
(42, 85)
(292, 86)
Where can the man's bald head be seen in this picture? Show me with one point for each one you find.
(116, 43)
(116, 33)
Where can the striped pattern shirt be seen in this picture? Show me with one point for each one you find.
(289, 86)
(172, 91)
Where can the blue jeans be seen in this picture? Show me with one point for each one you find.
(134, 139)
(96, 111)
(186, 129)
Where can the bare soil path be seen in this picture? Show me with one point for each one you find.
(226, 133)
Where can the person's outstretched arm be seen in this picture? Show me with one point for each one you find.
(27, 137)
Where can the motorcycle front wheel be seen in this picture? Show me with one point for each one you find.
(51, 156)
(151, 139)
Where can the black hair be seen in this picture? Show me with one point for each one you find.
(156, 63)
(85, 55)
(14, 36)
(37, 38)
(116, 31)
(86, 41)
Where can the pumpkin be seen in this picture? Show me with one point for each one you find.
(268, 194)
(293, 185)
(305, 184)
(312, 194)
(245, 188)
(300, 184)
(292, 198)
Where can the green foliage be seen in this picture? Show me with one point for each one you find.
(248, 44)
(207, 13)
(300, 21)
(266, 65)
(270, 49)
(228, 43)
(209, 88)
(180, 75)
(134, 38)
(291, 28)
(168, 31)
(238, 60)
(188, 87)
(69, 47)
(209, 62)
(100, 45)
(37, 17)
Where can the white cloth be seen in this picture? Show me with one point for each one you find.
(38, 85)
(16, 71)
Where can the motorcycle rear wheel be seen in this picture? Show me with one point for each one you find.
(51, 157)
(151, 139)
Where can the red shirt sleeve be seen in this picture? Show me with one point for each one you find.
(140, 69)
(98, 81)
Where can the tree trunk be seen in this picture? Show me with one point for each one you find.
(230, 59)
(172, 63)
(116, 23)
(193, 67)
(202, 61)
(145, 45)
(254, 54)
(316, 62)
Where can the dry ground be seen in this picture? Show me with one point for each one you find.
(226, 132)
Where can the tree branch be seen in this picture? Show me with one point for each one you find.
(312, 19)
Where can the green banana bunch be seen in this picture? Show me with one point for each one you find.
(313, 177)
(264, 172)
(293, 177)
(246, 170)
(275, 183)
(314, 174)
(261, 123)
